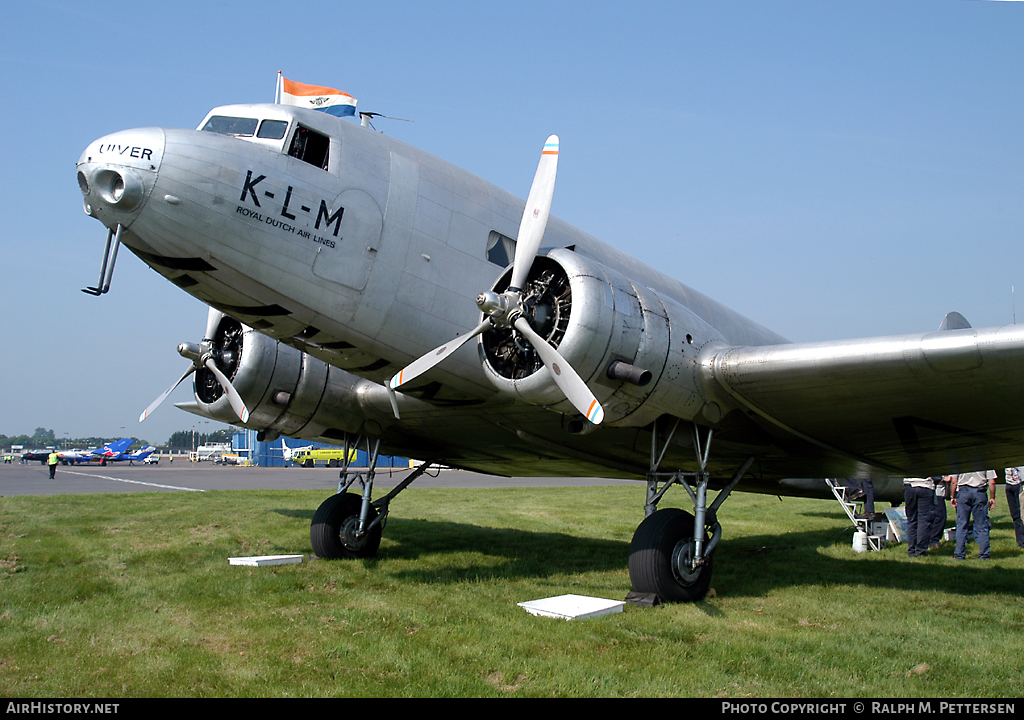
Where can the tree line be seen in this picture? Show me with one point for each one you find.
(43, 437)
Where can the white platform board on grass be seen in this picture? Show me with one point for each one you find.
(264, 560)
(572, 607)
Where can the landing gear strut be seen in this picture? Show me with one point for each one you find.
(672, 551)
(349, 525)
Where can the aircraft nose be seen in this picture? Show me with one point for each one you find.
(117, 173)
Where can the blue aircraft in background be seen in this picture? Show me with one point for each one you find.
(111, 452)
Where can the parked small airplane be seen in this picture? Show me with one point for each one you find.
(40, 455)
(111, 452)
(334, 258)
(289, 453)
(73, 457)
(138, 456)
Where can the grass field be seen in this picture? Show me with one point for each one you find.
(132, 596)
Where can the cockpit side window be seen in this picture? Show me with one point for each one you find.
(237, 126)
(272, 129)
(310, 146)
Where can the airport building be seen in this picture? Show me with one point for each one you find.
(272, 454)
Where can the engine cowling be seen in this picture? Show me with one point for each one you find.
(635, 348)
(288, 392)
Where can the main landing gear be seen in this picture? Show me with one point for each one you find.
(349, 525)
(671, 555)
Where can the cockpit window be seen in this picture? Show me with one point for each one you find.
(310, 146)
(224, 125)
(272, 129)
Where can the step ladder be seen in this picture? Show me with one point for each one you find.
(839, 489)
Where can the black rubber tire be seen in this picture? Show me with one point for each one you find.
(330, 533)
(650, 558)
(307, 464)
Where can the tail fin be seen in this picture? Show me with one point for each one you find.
(114, 449)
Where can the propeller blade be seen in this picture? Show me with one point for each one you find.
(432, 358)
(156, 403)
(213, 318)
(535, 215)
(570, 383)
(237, 404)
(394, 401)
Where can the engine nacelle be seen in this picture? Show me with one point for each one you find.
(635, 349)
(288, 392)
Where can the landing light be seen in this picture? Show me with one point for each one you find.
(120, 188)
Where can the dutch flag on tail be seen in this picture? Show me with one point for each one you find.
(331, 101)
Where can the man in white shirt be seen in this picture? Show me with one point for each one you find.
(1013, 487)
(969, 499)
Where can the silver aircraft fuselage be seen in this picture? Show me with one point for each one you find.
(365, 253)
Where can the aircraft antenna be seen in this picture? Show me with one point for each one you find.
(364, 118)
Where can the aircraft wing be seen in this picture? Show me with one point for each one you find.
(911, 405)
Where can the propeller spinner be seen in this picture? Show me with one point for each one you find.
(506, 310)
(203, 356)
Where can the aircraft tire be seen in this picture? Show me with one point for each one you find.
(332, 529)
(650, 558)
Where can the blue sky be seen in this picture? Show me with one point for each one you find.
(840, 169)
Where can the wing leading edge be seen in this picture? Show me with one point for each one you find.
(909, 405)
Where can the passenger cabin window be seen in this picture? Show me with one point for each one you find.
(500, 248)
(239, 127)
(310, 146)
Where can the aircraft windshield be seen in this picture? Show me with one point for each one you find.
(223, 125)
(304, 143)
(242, 127)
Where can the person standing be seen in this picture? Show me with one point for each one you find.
(52, 459)
(918, 496)
(939, 513)
(1013, 487)
(969, 499)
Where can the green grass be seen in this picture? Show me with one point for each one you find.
(132, 596)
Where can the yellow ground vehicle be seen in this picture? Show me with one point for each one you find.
(331, 457)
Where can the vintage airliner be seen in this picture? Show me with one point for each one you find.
(363, 289)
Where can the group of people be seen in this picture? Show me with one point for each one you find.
(972, 495)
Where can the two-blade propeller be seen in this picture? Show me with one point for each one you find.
(202, 356)
(506, 310)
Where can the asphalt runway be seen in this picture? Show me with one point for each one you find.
(183, 476)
